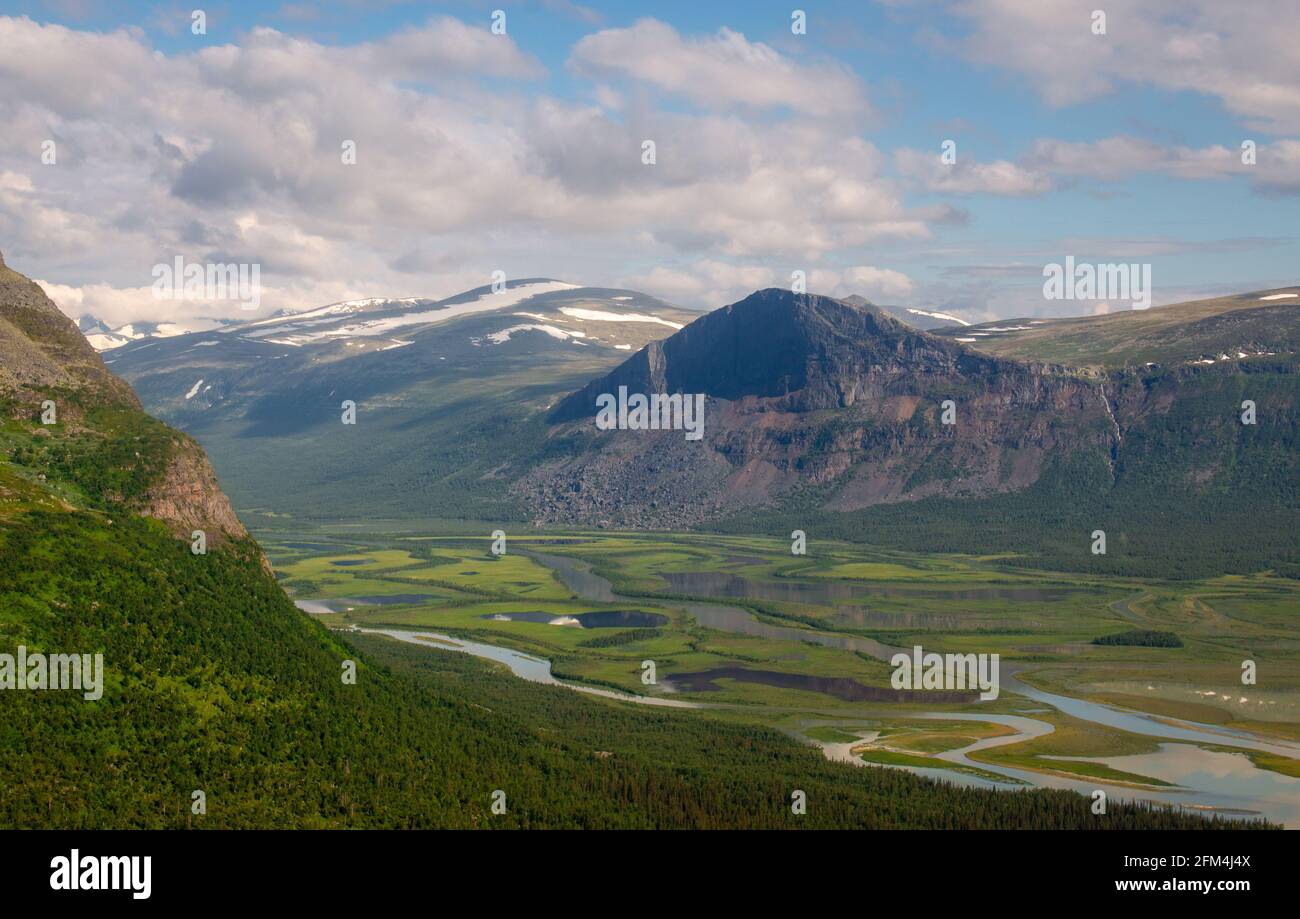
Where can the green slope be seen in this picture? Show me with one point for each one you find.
(1259, 324)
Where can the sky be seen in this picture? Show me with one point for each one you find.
(131, 138)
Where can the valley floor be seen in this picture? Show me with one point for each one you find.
(801, 643)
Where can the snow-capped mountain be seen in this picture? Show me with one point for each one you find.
(103, 338)
(427, 376)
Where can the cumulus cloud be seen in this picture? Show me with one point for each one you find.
(1245, 54)
(720, 71)
(968, 177)
(232, 153)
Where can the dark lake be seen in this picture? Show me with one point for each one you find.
(845, 688)
(344, 562)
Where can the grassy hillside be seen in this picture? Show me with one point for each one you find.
(1241, 326)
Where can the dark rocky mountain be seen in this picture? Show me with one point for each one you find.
(827, 416)
(807, 390)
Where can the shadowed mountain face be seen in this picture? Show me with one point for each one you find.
(798, 352)
(826, 415)
(805, 390)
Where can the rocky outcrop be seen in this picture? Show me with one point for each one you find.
(43, 355)
(41, 347)
(806, 391)
(188, 497)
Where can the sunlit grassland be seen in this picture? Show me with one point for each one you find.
(1043, 622)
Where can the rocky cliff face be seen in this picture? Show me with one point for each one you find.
(44, 356)
(40, 347)
(806, 391)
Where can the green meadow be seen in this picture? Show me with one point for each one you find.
(1041, 623)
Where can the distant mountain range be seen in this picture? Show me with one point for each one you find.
(103, 338)
(445, 390)
(1228, 330)
(482, 406)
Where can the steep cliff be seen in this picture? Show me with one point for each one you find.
(802, 391)
(71, 421)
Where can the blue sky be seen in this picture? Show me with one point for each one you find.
(776, 151)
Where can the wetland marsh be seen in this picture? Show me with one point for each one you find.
(801, 643)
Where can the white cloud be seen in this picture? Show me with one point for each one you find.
(721, 71)
(1245, 54)
(1276, 166)
(232, 154)
(968, 177)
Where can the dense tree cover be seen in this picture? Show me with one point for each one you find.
(1145, 638)
(215, 682)
(616, 639)
(115, 461)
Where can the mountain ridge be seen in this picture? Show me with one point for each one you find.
(806, 389)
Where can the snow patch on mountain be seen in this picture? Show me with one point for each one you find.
(504, 335)
(299, 329)
(945, 316)
(602, 316)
